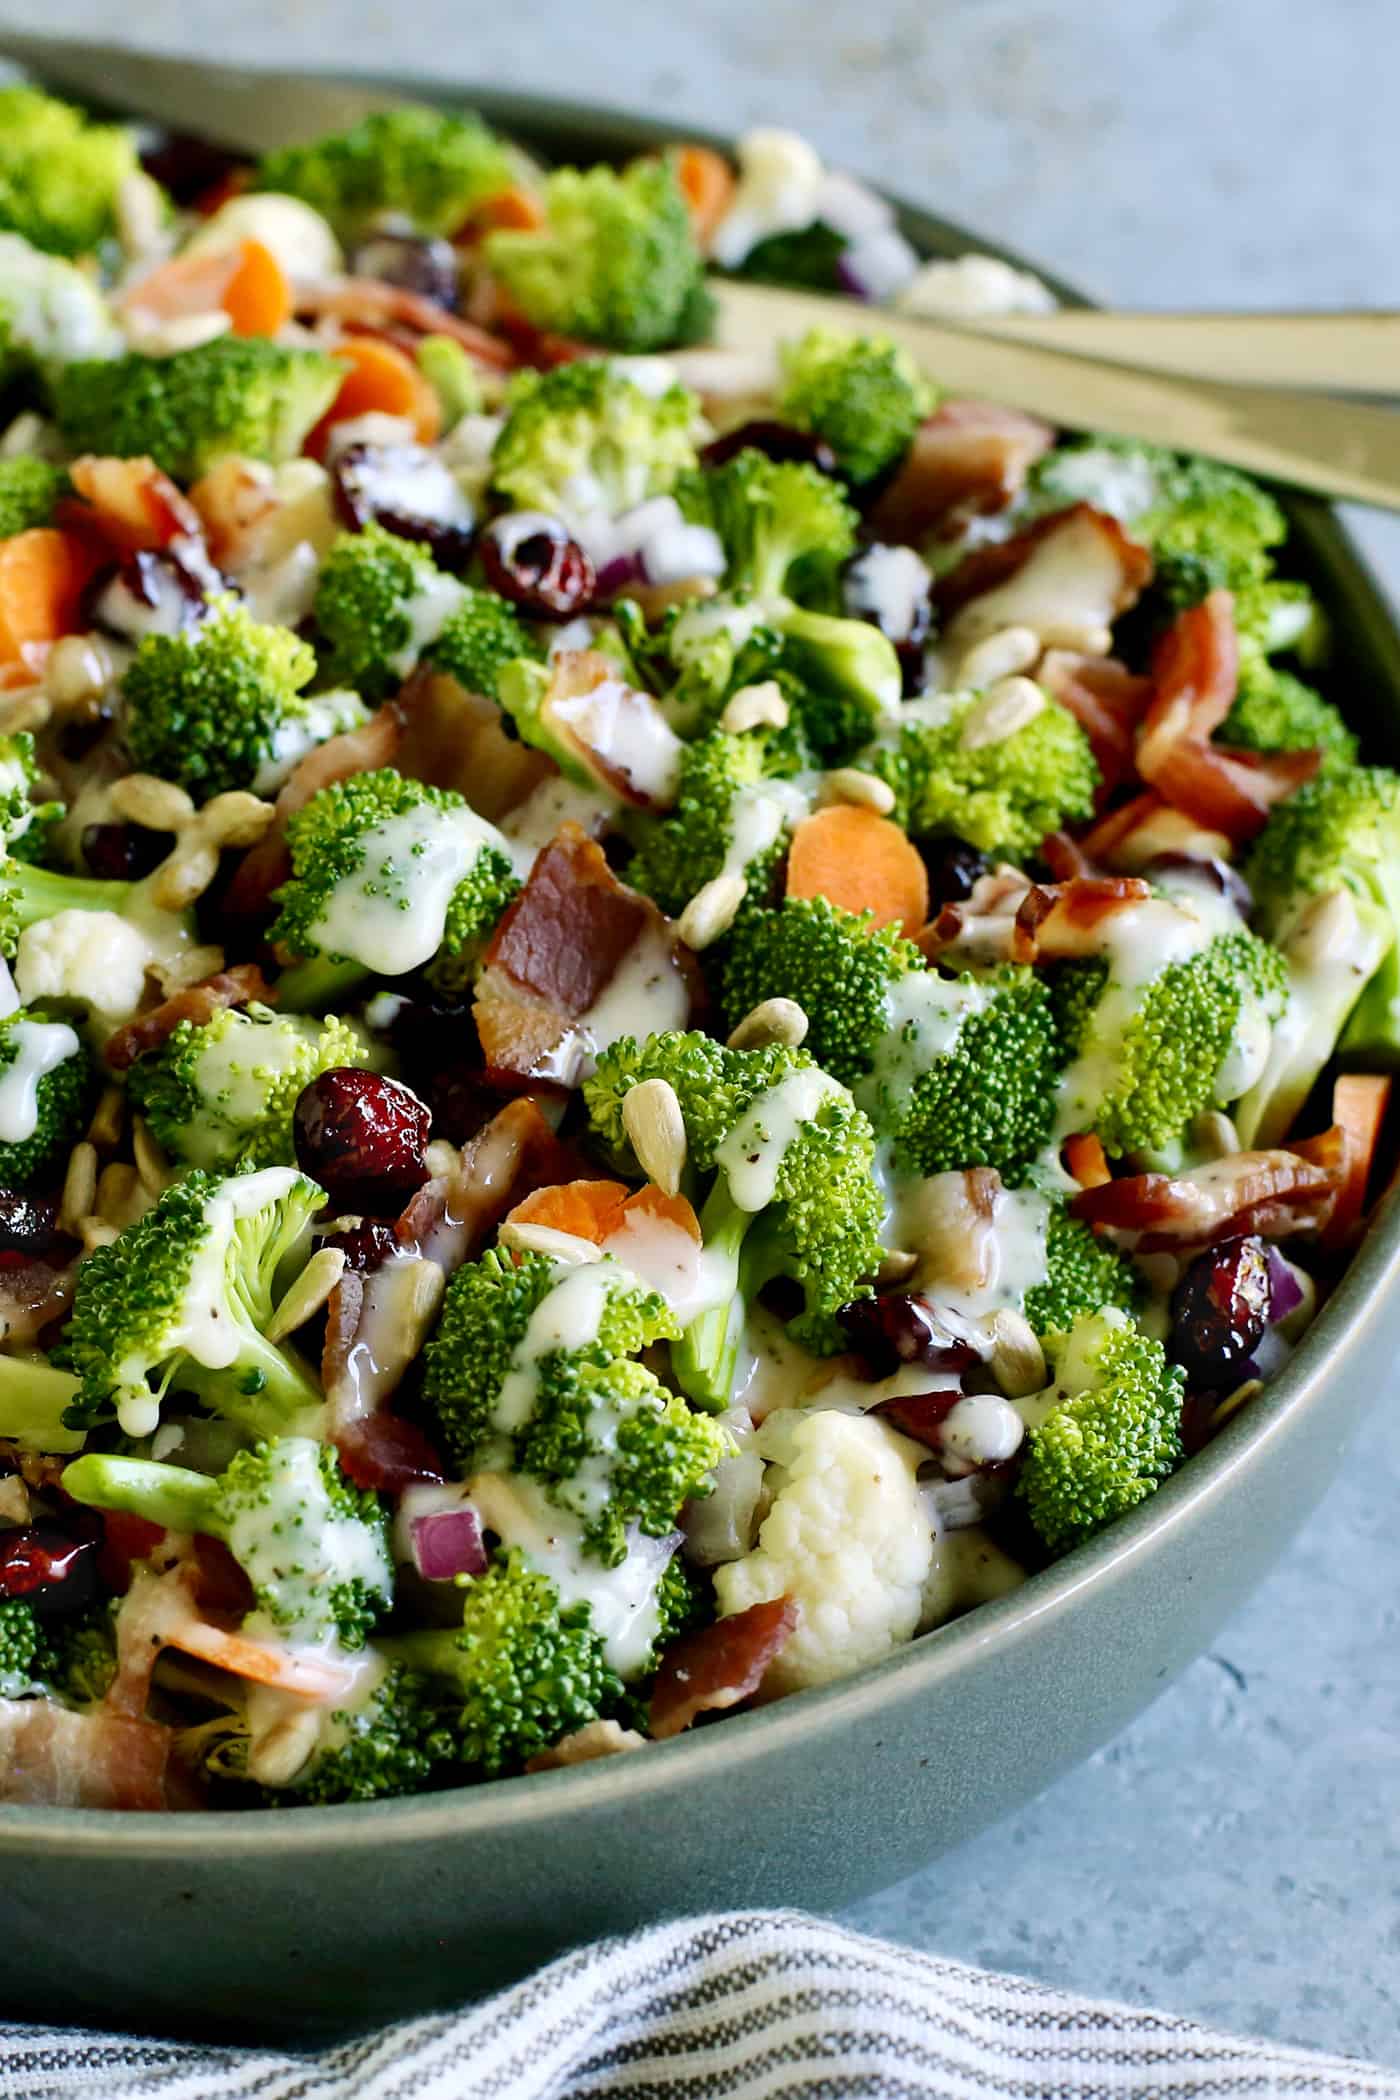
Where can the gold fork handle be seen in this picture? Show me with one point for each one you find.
(1343, 353)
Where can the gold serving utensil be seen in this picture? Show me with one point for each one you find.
(1084, 369)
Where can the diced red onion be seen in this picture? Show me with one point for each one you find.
(1286, 1293)
(848, 276)
(617, 573)
(878, 265)
(448, 1542)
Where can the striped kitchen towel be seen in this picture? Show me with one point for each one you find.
(758, 2005)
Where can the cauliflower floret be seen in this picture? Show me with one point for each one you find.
(92, 956)
(780, 179)
(970, 285)
(299, 237)
(847, 1537)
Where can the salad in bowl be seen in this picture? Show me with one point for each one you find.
(665, 1016)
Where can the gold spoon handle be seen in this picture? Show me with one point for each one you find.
(1342, 353)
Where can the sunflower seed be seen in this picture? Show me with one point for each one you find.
(772, 1021)
(651, 1116)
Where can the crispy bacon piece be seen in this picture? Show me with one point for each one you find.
(1194, 675)
(34, 1292)
(708, 1671)
(129, 504)
(981, 928)
(268, 863)
(558, 949)
(1105, 698)
(196, 1003)
(1065, 857)
(386, 1453)
(365, 302)
(1273, 1193)
(453, 739)
(50, 1758)
(1129, 838)
(1063, 921)
(1075, 569)
(967, 459)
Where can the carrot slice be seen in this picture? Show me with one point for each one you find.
(860, 861)
(1359, 1103)
(1085, 1159)
(257, 297)
(587, 1209)
(307, 1676)
(245, 281)
(652, 1205)
(707, 184)
(516, 210)
(42, 574)
(379, 379)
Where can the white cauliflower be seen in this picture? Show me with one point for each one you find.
(847, 1537)
(93, 956)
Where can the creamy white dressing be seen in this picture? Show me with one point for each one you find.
(773, 1371)
(700, 623)
(392, 915)
(646, 995)
(281, 593)
(414, 482)
(1008, 1261)
(1074, 574)
(36, 1048)
(968, 1569)
(568, 1317)
(321, 717)
(427, 610)
(533, 823)
(751, 1155)
(1122, 483)
(238, 1063)
(296, 1550)
(759, 814)
(888, 585)
(623, 732)
(668, 1259)
(924, 1016)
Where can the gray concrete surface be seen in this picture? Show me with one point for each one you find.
(1236, 1854)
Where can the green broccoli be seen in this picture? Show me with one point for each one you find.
(24, 823)
(179, 1301)
(314, 1548)
(616, 263)
(837, 965)
(793, 1192)
(79, 1654)
(1003, 796)
(221, 1093)
(376, 597)
(46, 1093)
(209, 707)
(60, 176)
(964, 1074)
(453, 377)
(595, 1428)
(30, 895)
(35, 1397)
(1083, 1274)
(1209, 527)
(29, 488)
(1111, 1431)
(21, 1650)
(701, 655)
(478, 640)
(433, 168)
(786, 528)
(237, 394)
(1274, 711)
(50, 311)
(387, 874)
(585, 438)
(862, 394)
(522, 1670)
(808, 259)
(372, 1748)
(733, 806)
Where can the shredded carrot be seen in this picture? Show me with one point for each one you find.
(379, 378)
(306, 1676)
(42, 574)
(707, 184)
(860, 861)
(1359, 1103)
(244, 280)
(1086, 1161)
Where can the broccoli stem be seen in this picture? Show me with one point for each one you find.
(39, 893)
(34, 1397)
(317, 983)
(264, 1390)
(706, 1357)
(171, 1496)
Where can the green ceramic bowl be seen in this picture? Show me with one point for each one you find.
(299, 1923)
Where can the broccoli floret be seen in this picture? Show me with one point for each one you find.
(179, 1301)
(373, 601)
(807, 260)
(50, 311)
(862, 394)
(35, 1397)
(60, 176)
(585, 438)
(478, 640)
(786, 528)
(841, 677)
(314, 1548)
(209, 706)
(839, 967)
(596, 1429)
(616, 263)
(1274, 711)
(222, 1093)
(372, 1750)
(965, 1072)
(432, 167)
(1112, 1432)
(453, 377)
(793, 1195)
(387, 874)
(24, 824)
(1083, 1274)
(1003, 796)
(731, 800)
(46, 1092)
(241, 394)
(30, 894)
(72, 1659)
(1184, 507)
(29, 488)
(21, 1650)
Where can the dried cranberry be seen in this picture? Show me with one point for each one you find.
(187, 166)
(1197, 1423)
(82, 730)
(531, 560)
(896, 1329)
(366, 1245)
(56, 1569)
(954, 868)
(415, 262)
(124, 852)
(408, 491)
(363, 1138)
(151, 592)
(781, 442)
(386, 1453)
(28, 1226)
(1219, 1312)
(920, 1415)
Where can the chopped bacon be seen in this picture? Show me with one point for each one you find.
(708, 1671)
(196, 1003)
(1075, 569)
(453, 739)
(1105, 698)
(967, 459)
(50, 1758)
(1194, 674)
(1272, 1193)
(388, 1454)
(1060, 922)
(558, 949)
(1132, 836)
(1065, 857)
(267, 864)
(365, 302)
(33, 1292)
(981, 928)
(1359, 1104)
(920, 1416)
(129, 504)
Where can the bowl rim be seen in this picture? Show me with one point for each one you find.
(1356, 1305)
